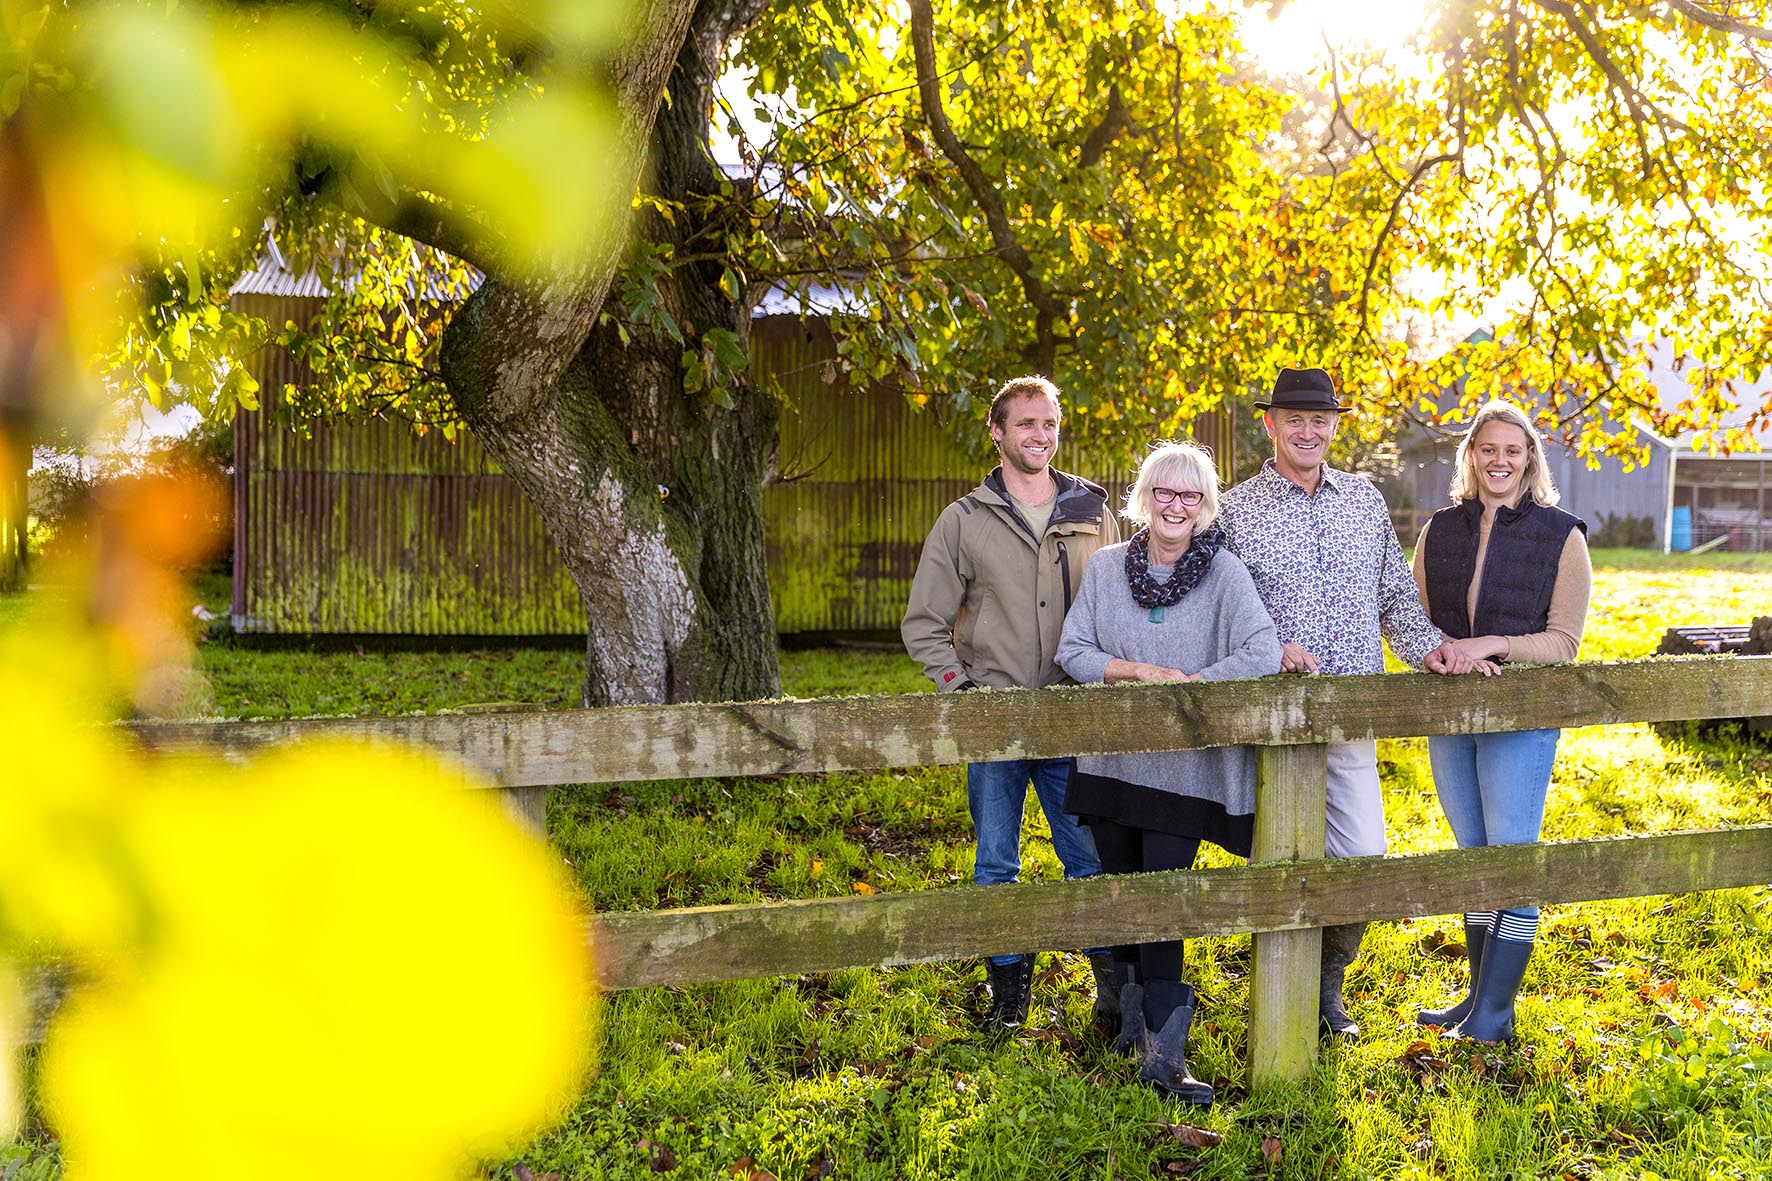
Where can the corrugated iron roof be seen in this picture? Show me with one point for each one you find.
(273, 276)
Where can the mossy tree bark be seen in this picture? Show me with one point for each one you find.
(653, 494)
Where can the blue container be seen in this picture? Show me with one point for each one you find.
(1679, 534)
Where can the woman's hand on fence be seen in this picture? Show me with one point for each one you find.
(1154, 674)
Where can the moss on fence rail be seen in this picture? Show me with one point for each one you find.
(542, 748)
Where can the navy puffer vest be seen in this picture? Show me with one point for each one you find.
(1519, 570)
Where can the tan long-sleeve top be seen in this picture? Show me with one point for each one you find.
(1561, 637)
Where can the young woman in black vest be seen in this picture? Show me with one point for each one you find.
(1506, 576)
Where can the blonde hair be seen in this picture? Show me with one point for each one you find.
(1168, 464)
(1537, 480)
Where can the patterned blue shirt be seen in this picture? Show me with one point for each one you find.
(1329, 569)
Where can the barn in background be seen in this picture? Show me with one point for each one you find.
(366, 528)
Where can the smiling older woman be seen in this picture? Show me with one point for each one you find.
(1171, 604)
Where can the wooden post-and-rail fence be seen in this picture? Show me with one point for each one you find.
(1285, 896)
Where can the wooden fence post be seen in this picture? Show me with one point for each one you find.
(528, 806)
(1289, 825)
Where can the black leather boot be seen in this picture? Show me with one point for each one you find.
(1108, 977)
(1491, 1018)
(1476, 934)
(1168, 1015)
(1340, 945)
(1010, 984)
(1131, 1036)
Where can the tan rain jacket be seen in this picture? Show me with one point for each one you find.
(989, 598)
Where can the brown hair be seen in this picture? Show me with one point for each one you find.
(1021, 387)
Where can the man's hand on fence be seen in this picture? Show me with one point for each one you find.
(1454, 658)
(1294, 659)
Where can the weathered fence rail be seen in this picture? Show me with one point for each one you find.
(1284, 898)
(545, 748)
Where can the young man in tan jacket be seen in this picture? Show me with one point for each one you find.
(998, 573)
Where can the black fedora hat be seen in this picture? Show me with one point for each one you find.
(1303, 389)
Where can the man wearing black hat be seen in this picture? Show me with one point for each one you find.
(1326, 562)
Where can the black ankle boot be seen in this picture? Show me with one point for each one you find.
(1168, 1015)
(1010, 985)
(1476, 934)
(1340, 945)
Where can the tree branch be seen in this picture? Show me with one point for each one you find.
(409, 214)
(1422, 168)
(1113, 121)
(1047, 315)
(1713, 19)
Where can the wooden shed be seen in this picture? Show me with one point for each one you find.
(366, 528)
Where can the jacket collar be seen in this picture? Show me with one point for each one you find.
(1472, 510)
(1078, 501)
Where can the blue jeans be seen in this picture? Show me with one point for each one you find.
(997, 795)
(1492, 786)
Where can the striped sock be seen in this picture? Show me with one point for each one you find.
(1516, 926)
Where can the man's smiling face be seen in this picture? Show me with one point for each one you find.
(1301, 441)
(1028, 438)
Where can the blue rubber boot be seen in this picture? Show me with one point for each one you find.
(1476, 934)
(1491, 1018)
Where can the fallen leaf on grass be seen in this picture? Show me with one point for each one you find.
(662, 1158)
(745, 1168)
(523, 1172)
(1063, 1037)
(862, 888)
(1441, 946)
(1192, 1136)
(1424, 1065)
(1666, 990)
(1180, 1168)
(1270, 1151)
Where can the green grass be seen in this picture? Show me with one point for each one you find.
(1646, 1028)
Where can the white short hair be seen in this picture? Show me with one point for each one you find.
(1175, 465)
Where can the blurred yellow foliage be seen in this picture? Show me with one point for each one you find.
(331, 957)
(351, 960)
(333, 953)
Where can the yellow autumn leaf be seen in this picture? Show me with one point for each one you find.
(861, 887)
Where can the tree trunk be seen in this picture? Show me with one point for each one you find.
(653, 496)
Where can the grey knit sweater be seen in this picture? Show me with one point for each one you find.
(1219, 629)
